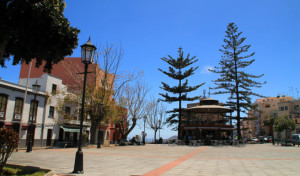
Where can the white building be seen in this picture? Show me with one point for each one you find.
(49, 127)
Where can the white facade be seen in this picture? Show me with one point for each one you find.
(49, 123)
(14, 91)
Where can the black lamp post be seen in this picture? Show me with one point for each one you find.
(144, 135)
(87, 52)
(99, 143)
(273, 115)
(35, 88)
(159, 123)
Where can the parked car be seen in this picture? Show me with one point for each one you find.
(253, 140)
(296, 139)
(261, 140)
(268, 139)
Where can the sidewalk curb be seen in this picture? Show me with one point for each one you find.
(51, 173)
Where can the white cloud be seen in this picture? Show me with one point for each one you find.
(205, 69)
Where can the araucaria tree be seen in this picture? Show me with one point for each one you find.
(179, 71)
(233, 78)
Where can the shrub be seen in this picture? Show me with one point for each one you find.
(9, 140)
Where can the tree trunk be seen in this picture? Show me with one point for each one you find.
(179, 114)
(285, 137)
(130, 129)
(94, 126)
(155, 131)
(237, 97)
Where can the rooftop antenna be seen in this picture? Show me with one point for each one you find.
(204, 91)
(209, 92)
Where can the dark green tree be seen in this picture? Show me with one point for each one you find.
(35, 29)
(178, 71)
(233, 78)
(282, 123)
(269, 121)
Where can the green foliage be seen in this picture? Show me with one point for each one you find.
(268, 121)
(177, 71)
(13, 170)
(35, 29)
(233, 79)
(284, 123)
(9, 140)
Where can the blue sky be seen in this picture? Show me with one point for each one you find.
(149, 30)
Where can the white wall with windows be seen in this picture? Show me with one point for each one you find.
(49, 124)
(14, 111)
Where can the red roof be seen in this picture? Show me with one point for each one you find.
(67, 70)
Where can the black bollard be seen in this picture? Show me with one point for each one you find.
(98, 144)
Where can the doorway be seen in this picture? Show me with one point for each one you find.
(49, 136)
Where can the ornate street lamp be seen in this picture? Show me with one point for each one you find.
(87, 53)
(35, 89)
(144, 134)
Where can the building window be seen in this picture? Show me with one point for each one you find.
(267, 106)
(296, 106)
(68, 110)
(3, 104)
(51, 112)
(33, 111)
(291, 116)
(281, 109)
(286, 108)
(54, 87)
(18, 109)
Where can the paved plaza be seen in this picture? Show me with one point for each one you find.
(165, 160)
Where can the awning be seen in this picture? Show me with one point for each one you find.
(71, 130)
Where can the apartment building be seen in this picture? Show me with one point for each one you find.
(69, 71)
(265, 107)
(292, 110)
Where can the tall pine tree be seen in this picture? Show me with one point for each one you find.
(233, 79)
(177, 71)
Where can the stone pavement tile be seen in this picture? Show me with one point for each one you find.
(253, 160)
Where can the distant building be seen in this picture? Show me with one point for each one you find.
(273, 107)
(291, 109)
(265, 107)
(206, 121)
